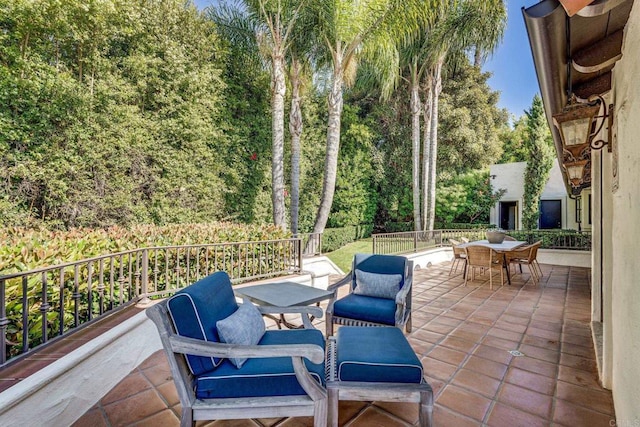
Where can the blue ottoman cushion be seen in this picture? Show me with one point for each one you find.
(195, 311)
(262, 376)
(366, 308)
(380, 354)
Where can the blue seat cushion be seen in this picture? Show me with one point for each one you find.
(376, 355)
(260, 377)
(195, 311)
(380, 264)
(366, 308)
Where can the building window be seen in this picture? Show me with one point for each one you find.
(579, 209)
(589, 211)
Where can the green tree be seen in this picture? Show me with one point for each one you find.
(513, 142)
(463, 25)
(540, 158)
(353, 30)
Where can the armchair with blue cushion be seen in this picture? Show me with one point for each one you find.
(224, 363)
(379, 293)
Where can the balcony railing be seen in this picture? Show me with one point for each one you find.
(414, 241)
(40, 306)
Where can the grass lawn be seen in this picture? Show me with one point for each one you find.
(343, 256)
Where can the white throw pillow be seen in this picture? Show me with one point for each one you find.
(377, 285)
(245, 326)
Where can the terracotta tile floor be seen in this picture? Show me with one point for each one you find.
(462, 335)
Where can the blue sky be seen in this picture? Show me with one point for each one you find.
(511, 64)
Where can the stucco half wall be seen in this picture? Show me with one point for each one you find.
(625, 232)
(62, 392)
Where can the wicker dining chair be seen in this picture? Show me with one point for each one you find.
(458, 256)
(479, 256)
(526, 255)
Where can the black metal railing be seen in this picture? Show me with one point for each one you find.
(40, 306)
(405, 242)
(414, 241)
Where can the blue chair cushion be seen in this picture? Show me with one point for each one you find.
(195, 311)
(244, 327)
(376, 355)
(368, 309)
(380, 264)
(260, 377)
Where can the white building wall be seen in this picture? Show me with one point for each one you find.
(510, 177)
(625, 230)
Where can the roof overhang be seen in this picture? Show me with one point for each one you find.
(574, 53)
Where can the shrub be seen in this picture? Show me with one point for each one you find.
(335, 238)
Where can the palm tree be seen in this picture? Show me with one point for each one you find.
(270, 23)
(353, 30)
(465, 24)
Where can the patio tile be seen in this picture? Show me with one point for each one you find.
(486, 367)
(158, 374)
(500, 343)
(568, 414)
(132, 384)
(134, 409)
(590, 398)
(164, 418)
(445, 417)
(577, 362)
(536, 366)
(552, 356)
(476, 382)
(458, 344)
(437, 369)
(408, 412)
(464, 402)
(502, 415)
(526, 400)
(553, 345)
(169, 393)
(505, 334)
(375, 417)
(577, 350)
(93, 418)
(531, 381)
(578, 377)
(499, 355)
(447, 355)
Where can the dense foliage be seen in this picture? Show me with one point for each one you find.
(540, 155)
(122, 113)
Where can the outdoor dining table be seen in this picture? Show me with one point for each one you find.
(283, 294)
(501, 248)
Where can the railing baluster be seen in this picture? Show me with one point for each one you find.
(101, 286)
(76, 296)
(25, 315)
(89, 291)
(44, 307)
(4, 322)
(61, 299)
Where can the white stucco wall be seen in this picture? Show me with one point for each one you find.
(510, 176)
(62, 392)
(625, 230)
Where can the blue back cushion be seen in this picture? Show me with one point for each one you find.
(195, 311)
(380, 264)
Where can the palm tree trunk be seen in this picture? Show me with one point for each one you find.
(295, 128)
(333, 146)
(433, 152)
(277, 124)
(426, 149)
(415, 144)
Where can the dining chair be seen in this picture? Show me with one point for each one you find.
(458, 256)
(526, 255)
(379, 293)
(509, 239)
(479, 256)
(464, 240)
